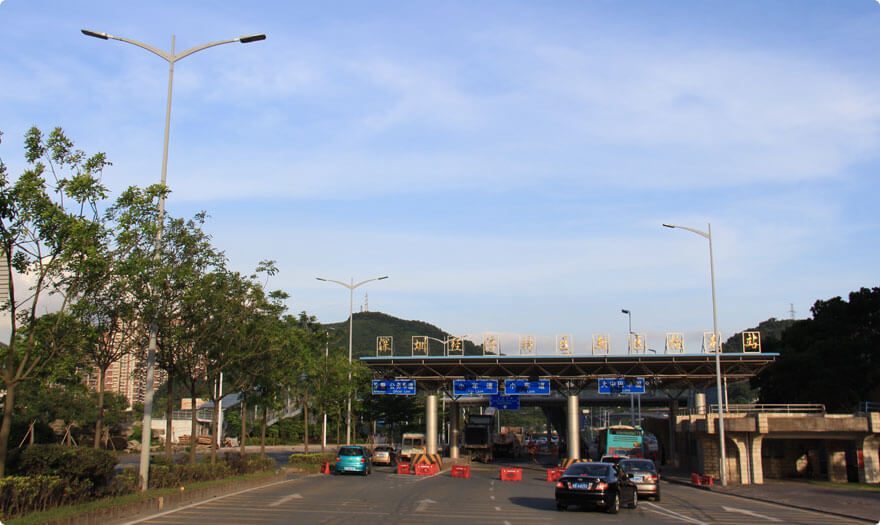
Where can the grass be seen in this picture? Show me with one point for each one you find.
(61, 513)
(867, 487)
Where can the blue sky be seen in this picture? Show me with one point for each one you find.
(507, 164)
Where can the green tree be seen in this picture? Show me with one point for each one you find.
(49, 221)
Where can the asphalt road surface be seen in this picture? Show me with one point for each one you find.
(389, 498)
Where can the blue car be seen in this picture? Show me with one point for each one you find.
(354, 459)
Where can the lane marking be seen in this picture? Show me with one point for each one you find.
(498, 509)
(671, 514)
(491, 497)
(750, 513)
(423, 505)
(285, 499)
(506, 522)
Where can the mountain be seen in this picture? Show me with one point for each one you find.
(368, 326)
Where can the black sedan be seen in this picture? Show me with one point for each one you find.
(600, 484)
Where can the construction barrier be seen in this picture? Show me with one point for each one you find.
(695, 479)
(427, 459)
(511, 474)
(461, 471)
(403, 467)
(565, 463)
(325, 467)
(554, 473)
(425, 470)
(706, 481)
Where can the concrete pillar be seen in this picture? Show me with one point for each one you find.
(836, 460)
(755, 462)
(671, 455)
(869, 463)
(453, 430)
(431, 423)
(573, 439)
(742, 459)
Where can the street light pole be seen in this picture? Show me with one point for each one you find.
(708, 235)
(629, 351)
(351, 286)
(171, 58)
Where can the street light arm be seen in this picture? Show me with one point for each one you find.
(335, 281)
(184, 54)
(698, 232)
(148, 47)
(368, 280)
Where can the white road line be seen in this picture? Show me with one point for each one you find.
(196, 504)
(670, 514)
(285, 499)
(749, 513)
(423, 505)
(506, 522)
(491, 497)
(498, 509)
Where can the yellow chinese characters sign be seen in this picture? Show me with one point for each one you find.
(454, 346)
(637, 343)
(527, 344)
(384, 345)
(601, 345)
(491, 346)
(710, 344)
(419, 345)
(674, 343)
(752, 342)
(563, 344)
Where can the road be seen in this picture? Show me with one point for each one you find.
(388, 498)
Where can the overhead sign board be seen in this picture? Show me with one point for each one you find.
(621, 385)
(474, 387)
(521, 386)
(504, 402)
(399, 387)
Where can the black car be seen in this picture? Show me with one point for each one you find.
(600, 484)
(644, 474)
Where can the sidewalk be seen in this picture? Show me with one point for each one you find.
(850, 503)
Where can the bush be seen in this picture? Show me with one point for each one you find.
(248, 464)
(23, 494)
(95, 466)
(311, 462)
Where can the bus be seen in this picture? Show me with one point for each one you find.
(621, 440)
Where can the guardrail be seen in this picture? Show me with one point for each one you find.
(797, 408)
(869, 406)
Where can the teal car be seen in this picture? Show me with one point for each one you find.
(354, 459)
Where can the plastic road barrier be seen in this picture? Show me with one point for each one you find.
(461, 471)
(325, 467)
(425, 470)
(554, 473)
(403, 468)
(511, 474)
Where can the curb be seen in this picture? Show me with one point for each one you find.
(677, 481)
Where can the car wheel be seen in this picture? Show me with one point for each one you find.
(561, 506)
(614, 505)
(635, 502)
(657, 497)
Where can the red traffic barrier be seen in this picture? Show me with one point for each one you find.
(435, 467)
(706, 480)
(695, 479)
(461, 471)
(553, 474)
(403, 468)
(424, 469)
(511, 474)
(325, 467)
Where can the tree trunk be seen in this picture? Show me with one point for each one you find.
(6, 426)
(263, 433)
(169, 413)
(338, 424)
(193, 437)
(243, 426)
(100, 422)
(306, 422)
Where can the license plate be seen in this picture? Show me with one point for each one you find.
(349, 468)
(637, 479)
(582, 486)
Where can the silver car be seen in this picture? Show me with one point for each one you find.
(644, 474)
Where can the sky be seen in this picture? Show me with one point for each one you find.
(507, 164)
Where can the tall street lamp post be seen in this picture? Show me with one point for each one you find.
(715, 337)
(171, 57)
(351, 286)
(632, 408)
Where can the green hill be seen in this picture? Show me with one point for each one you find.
(370, 325)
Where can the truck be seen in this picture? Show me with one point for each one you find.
(479, 435)
(413, 443)
(509, 443)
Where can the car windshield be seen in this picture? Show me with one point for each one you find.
(587, 469)
(383, 449)
(350, 451)
(630, 465)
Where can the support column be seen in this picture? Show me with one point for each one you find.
(755, 462)
(671, 453)
(742, 458)
(573, 439)
(431, 423)
(453, 430)
(869, 463)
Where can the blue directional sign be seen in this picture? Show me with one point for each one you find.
(621, 385)
(399, 387)
(504, 402)
(521, 386)
(474, 387)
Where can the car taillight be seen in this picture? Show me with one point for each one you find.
(601, 486)
(363, 459)
(337, 459)
(652, 477)
(560, 485)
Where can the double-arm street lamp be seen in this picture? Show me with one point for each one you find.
(716, 339)
(171, 57)
(351, 286)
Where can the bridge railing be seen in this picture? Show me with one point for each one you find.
(795, 408)
(869, 406)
